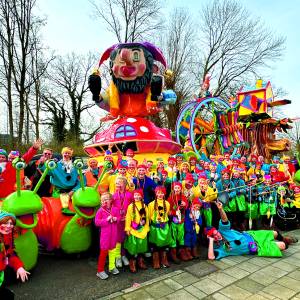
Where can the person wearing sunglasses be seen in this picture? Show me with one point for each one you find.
(45, 189)
(64, 179)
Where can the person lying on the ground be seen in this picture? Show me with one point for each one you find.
(227, 242)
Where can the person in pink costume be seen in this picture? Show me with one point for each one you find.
(121, 199)
(8, 172)
(107, 218)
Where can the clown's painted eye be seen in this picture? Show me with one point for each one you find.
(136, 56)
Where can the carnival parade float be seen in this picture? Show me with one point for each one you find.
(214, 126)
(135, 92)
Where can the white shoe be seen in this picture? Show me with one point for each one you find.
(119, 262)
(125, 260)
(114, 271)
(102, 275)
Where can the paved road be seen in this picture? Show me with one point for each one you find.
(75, 278)
(239, 277)
(247, 277)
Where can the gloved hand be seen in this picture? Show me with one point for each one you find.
(94, 84)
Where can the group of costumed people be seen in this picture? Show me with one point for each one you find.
(165, 210)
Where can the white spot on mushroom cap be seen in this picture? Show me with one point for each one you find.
(131, 120)
(160, 133)
(144, 129)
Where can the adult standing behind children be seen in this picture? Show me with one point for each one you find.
(141, 181)
(65, 180)
(45, 189)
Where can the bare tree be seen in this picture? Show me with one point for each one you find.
(293, 135)
(38, 67)
(177, 42)
(55, 105)
(7, 33)
(68, 76)
(19, 33)
(129, 20)
(234, 45)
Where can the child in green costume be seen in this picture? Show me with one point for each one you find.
(136, 228)
(160, 233)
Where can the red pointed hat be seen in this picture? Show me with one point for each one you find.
(155, 51)
(226, 170)
(171, 158)
(176, 183)
(160, 188)
(141, 166)
(189, 176)
(138, 191)
(196, 201)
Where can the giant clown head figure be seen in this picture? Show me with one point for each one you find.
(131, 68)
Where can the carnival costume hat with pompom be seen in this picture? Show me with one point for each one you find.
(3, 152)
(4, 214)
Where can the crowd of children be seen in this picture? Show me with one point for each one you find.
(161, 208)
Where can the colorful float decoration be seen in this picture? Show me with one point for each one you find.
(256, 112)
(212, 125)
(25, 205)
(136, 91)
(71, 234)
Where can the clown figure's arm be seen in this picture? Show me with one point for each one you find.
(22, 274)
(211, 254)
(32, 150)
(223, 215)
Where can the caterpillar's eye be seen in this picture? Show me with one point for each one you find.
(50, 164)
(20, 165)
(78, 163)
